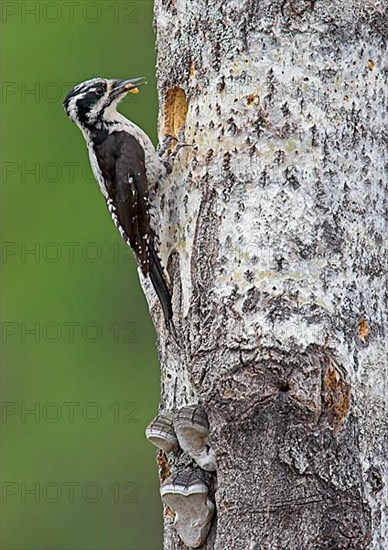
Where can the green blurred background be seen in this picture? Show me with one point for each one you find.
(90, 370)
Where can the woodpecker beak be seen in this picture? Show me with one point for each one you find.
(122, 87)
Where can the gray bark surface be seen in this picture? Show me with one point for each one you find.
(273, 230)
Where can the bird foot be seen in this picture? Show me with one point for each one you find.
(165, 146)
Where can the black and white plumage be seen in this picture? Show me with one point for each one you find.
(126, 166)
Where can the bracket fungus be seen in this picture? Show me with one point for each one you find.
(160, 432)
(187, 494)
(192, 429)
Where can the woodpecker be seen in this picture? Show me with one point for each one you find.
(126, 166)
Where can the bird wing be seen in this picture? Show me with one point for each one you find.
(121, 160)
(122, 164)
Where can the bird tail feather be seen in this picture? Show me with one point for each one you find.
(158, 280)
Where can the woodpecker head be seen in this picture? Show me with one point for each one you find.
(94, 101)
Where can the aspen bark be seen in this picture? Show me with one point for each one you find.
(273, 228)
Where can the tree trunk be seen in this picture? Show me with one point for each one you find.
(272, 227)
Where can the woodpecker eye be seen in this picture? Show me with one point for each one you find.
(99, 91)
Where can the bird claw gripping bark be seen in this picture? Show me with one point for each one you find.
(165, 145)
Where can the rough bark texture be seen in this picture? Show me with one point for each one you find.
(273, 231)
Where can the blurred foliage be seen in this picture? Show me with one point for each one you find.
(78, 344)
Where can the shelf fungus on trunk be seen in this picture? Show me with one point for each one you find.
(160, 432)
(192, 429)
(187, 494)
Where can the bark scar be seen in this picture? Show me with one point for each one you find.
(175, 111)
(164, 466)
(363, 329)
(164, 473)
(335, 395)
